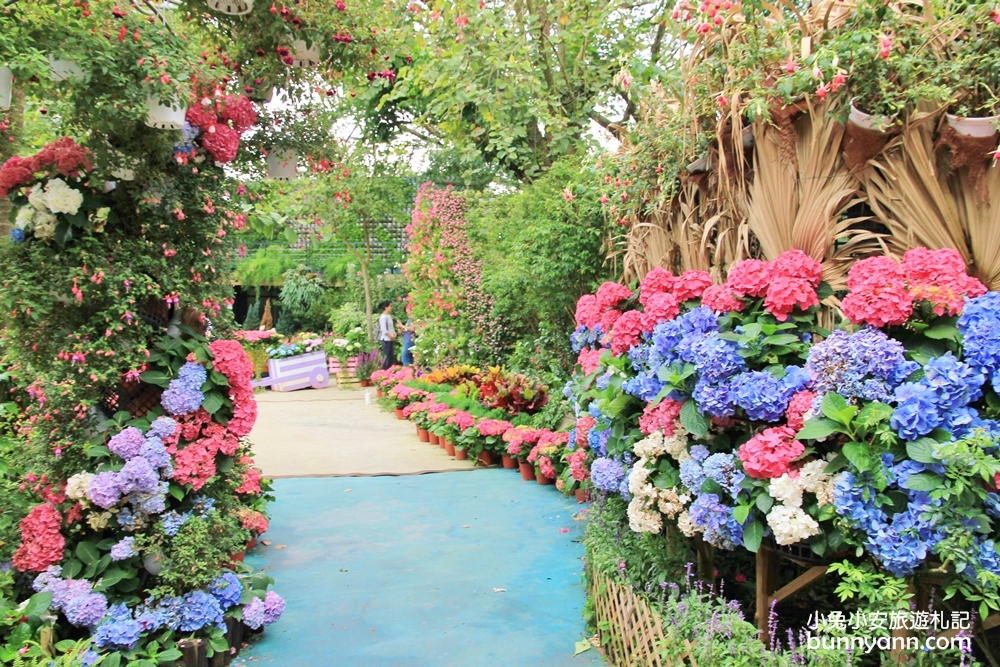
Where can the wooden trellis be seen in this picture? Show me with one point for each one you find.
(630, 631)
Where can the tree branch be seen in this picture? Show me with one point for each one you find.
(614, 128)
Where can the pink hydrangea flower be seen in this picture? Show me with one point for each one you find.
(657, 281)
(769, 454)
(41, 542)
(690, 285)
(626, 332)
(878, 294)
(749, 278)
(661, 307)
(588, 313)
(796, 264)
(722, 299)
(663, 416)
(611, 294)
(785, 294)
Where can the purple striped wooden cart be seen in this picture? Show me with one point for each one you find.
(298, 372)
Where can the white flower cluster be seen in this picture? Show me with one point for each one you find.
(648, 502)
(787, 519)
(673, 503)
(76, 487)
(687, 526)
(43, 203)
(642, 514)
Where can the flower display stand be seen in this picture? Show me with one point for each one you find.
(298, 372)
(336, 367)
(634, 631)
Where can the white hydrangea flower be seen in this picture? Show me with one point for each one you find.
(686, 525)
(786, 490)
(37, 198)
(813, 476)
(641, 519)
(638, 478)
(671, 503)
(791, 524)
(24, 216)
(77, 485)
(61, 198)
(44, 226)
(99, 520)
(677, 444)
(824, 494)
(651, 446)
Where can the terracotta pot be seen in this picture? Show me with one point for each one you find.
(434, 438)
(399, 413)
(582, 496)
(509, 462)
(238, 557)
(461, 454)
(449, 447)
(253, 542)
(527, 471)
(423, 435)
(485, 458)
(442, 443)
(366, 383)
(381, 394)
(543, 480)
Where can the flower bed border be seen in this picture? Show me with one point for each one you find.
(634, 630)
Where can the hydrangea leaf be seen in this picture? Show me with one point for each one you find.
(922, 450)
(924, 481)
(817, 428)
(692, 420)
(753, 533)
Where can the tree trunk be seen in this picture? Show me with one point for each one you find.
(366, 278)
(10, 148)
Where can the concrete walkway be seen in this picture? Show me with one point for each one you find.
(326, 432)
(475, 569)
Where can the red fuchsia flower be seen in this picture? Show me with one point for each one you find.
(660, 417)
(800, 404)
(691, 285)
(589, 360)
(790, 65)
(657, 281)
(749, 278)
(568, 194)
(877, 293)
(839, 79)
(41, 542)
(785, 294)
(626, 332)
(822, 91)
(588, 313)
(611, 294)
(660, 307)
(721, 299)
(769, 454)
(885, 46)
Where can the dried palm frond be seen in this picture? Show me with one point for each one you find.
(773, 196)
(910, 196)
(982, 223)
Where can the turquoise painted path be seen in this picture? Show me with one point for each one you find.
(459, 569)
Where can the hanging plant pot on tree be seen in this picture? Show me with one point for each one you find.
(231, 7)
(304, 56)
(164, 116)
(65, 70)
(282, 165)
(985, 126)
(869, 121)
(6, 87)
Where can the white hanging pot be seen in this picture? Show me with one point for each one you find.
(6, 87)
(162, 116)
(123, 166)
(867, 121)
(303, 56)
(281, 165)
(985, 126)
(64, 70)
(153, 564)
(231, 7)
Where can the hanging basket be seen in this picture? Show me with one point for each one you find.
(64, 70)
(973, 127)
(162, 116)
(6, 87)
(304, 56)
(282, 165)
(231, 7)
(868, 121)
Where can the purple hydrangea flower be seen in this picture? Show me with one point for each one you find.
(273, 606)
(157, 455)
(150, 503)
(127, 443)
(607, 474)
(162, 427)
(86, 611)
(105, 490)
(254, 614)
(227, 589)
(125, 548)
(46, 579)
(716, 519)
(138, 475)
(180, 399)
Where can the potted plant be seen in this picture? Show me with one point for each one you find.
(368, 363)
(971, 72)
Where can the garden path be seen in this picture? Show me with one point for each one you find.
(322, 432)
(477, 569)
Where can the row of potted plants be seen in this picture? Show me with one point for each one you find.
(457, 409)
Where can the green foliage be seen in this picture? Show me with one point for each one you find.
(346, 318)
(252, 320)
(14, 505)
(264, 267)
(301, 294)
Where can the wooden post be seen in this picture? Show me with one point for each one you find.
(766, 580)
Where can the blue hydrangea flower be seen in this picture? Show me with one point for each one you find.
(865, 364)
(699, 452)
(717, 521)
(200, 610)
(956, 383)
(124, 548)
(607, 474)
(227, 589)
(126, 519)
(916, 413)
(761, 395)
(118, 630)
(717, 359)
(86, 611)
(172, 522)
(714, 400)
(17, 235)
(192, 375)
(180, 399)
(692, 476)
(722, 469)
(203, 505)
(597, 439)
